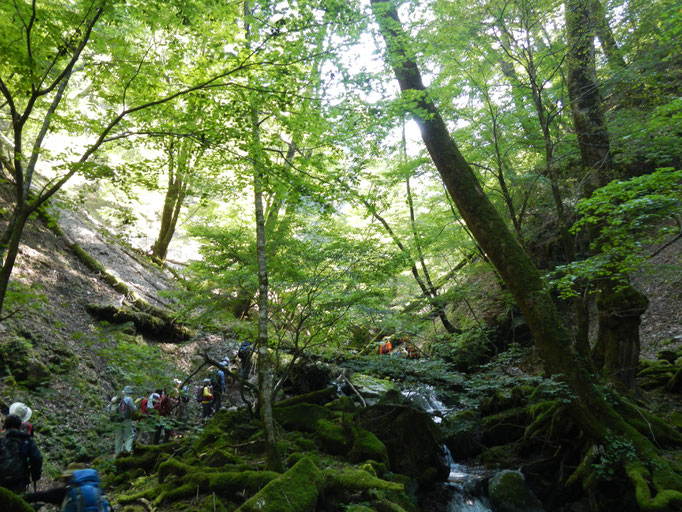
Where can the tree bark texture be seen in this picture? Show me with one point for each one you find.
(619, 304)
(591, 410)
(265, 377)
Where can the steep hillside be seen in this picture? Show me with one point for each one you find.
(68, 363)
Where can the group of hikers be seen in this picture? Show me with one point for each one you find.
(162, 412)
(387, 346)
(21, 463)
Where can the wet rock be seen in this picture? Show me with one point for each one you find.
(411, 438)
(462, 431)
(508, 492)
(371, 387)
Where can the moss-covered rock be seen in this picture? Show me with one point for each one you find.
(332, 437)
(13, 503)
(372, 387)
(367, 446)
(297, 490)
(508, 492)
(411, 438)
(357, 480)
(301, 416)
(499, 456)
(19, 359)
(319, 397)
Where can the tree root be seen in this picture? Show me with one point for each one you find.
(666, 484)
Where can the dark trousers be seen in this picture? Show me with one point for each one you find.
(217, 401)
(161, 429)
(206, 408)
(54, 496)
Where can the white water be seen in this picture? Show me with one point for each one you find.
(462, 500)
(425, 397)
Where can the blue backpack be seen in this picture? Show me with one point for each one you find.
(84, 493)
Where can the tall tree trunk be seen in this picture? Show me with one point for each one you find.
(265, 377)
(605, 34)
(590, 408)
(619, 304)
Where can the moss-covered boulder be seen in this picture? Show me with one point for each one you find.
(508, 492)
(332, 437)
(319, 397)
(411, 438)
(367, 446)
(301, 416)
(19, 359)
(462, 433)
(297, 490)
(372, 387)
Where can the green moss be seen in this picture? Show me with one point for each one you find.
(367, 446)
(332, 437)
(143, 457)
(321, 396)
(230, 482)
(360, 508)
(342, 404)
(296, 490)
(305, 444)
(12, 502)
(503, 455)
(212, 503)
(294, 458)
(172, 467)
(220, 458)
(301, 416)
(357, 480)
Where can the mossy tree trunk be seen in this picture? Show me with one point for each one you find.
(619, 304)
(648, 471)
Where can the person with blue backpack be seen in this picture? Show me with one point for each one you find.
(82, 492)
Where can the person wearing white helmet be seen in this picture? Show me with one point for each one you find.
(24, 412)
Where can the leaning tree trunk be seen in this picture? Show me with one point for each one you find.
(648, 471)
(10, 251)
(619, 304)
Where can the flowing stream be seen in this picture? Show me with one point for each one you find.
(467, 483)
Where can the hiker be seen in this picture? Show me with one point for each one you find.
(385, 348)
(244, 355)
(20, 459)
(82, 491)
(412, 351)
(24, 412)
(163, 405)
(206, 398)
(121, 409)
(218, 387)
(182, 407)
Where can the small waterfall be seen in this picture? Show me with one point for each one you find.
(466, 488)
(425, 398)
